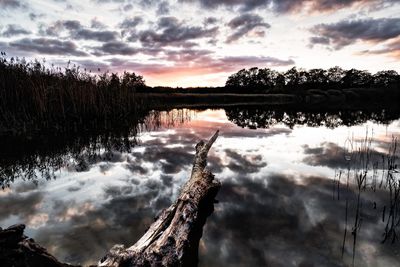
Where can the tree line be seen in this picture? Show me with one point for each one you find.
(267, 80)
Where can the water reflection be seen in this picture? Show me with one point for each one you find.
(34, 157)
(278, 205)
(257, 117)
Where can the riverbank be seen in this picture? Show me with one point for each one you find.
(313, 99)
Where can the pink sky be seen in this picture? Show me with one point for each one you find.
(201, 42)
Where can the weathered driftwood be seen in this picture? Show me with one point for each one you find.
(173, 239)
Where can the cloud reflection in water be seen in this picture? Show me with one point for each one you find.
(276, 203)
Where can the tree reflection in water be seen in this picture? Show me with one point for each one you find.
(32, 158)
(41, 156)
(258, 117)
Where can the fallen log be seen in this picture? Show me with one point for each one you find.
(172, 240)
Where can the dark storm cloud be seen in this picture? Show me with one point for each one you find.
(290, 6)
(14, 30)
(47, 46)
(172, 32)
(347, 32)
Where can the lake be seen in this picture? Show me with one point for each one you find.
(298, 188)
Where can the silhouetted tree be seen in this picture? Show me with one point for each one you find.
(317, 77)
(267, 78)
(335, 76)
(357, 78)
(386, 77)
(264, 80)
(292, 77)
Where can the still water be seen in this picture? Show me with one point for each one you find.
(287, 197)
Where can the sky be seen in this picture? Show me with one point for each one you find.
(201, 42)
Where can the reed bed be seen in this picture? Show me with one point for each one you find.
(36, 98)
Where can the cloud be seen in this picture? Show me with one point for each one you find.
(192, 62)
(254, 60)
(210, 20)
(35, 16)
(347, 32)
(101, 36)
(132, 22)
(77, 31)
(163, 8)
(242, 165)
(390, 48)
(108, 1)
(21, 205)
(10, 4)
(14, 30)
(185, 55)
(172, 32)
(244, 24)
(275, 221)
(83, 233)
(47, 46)
(333, 156)
(171, 160)
(292, 6)
(128, 25)
(55, 28)
(319, 40)
(95, 23)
